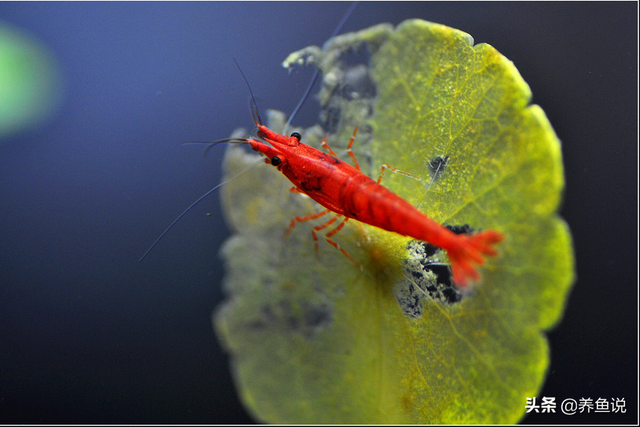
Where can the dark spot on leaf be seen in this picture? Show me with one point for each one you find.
(330, 117)
(306, 318)
(427, 276)
(461, 229)
(437, 166)
(316, 316)
(408, 299)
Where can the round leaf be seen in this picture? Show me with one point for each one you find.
(315, 339)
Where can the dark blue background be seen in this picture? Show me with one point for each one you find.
(89, 335)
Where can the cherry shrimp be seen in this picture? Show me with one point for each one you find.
(346, 191)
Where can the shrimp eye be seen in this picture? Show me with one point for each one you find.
(296, 135)
(275, 161)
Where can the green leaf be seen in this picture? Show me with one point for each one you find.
(312, 338)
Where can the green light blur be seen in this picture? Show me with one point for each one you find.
(29, 81)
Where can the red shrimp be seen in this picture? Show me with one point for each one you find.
(346, 191)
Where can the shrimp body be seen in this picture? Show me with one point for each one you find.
(345, 190)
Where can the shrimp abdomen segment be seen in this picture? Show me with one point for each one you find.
(373, 204)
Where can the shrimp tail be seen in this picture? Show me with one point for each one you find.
(469, 252)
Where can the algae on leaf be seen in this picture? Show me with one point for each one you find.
(312, 338)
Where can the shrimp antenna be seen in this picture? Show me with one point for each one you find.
(192, 205)
(211, 144)
(256, 119)
(317, 72)
(255, 114)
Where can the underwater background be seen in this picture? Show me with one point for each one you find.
(89, 335)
